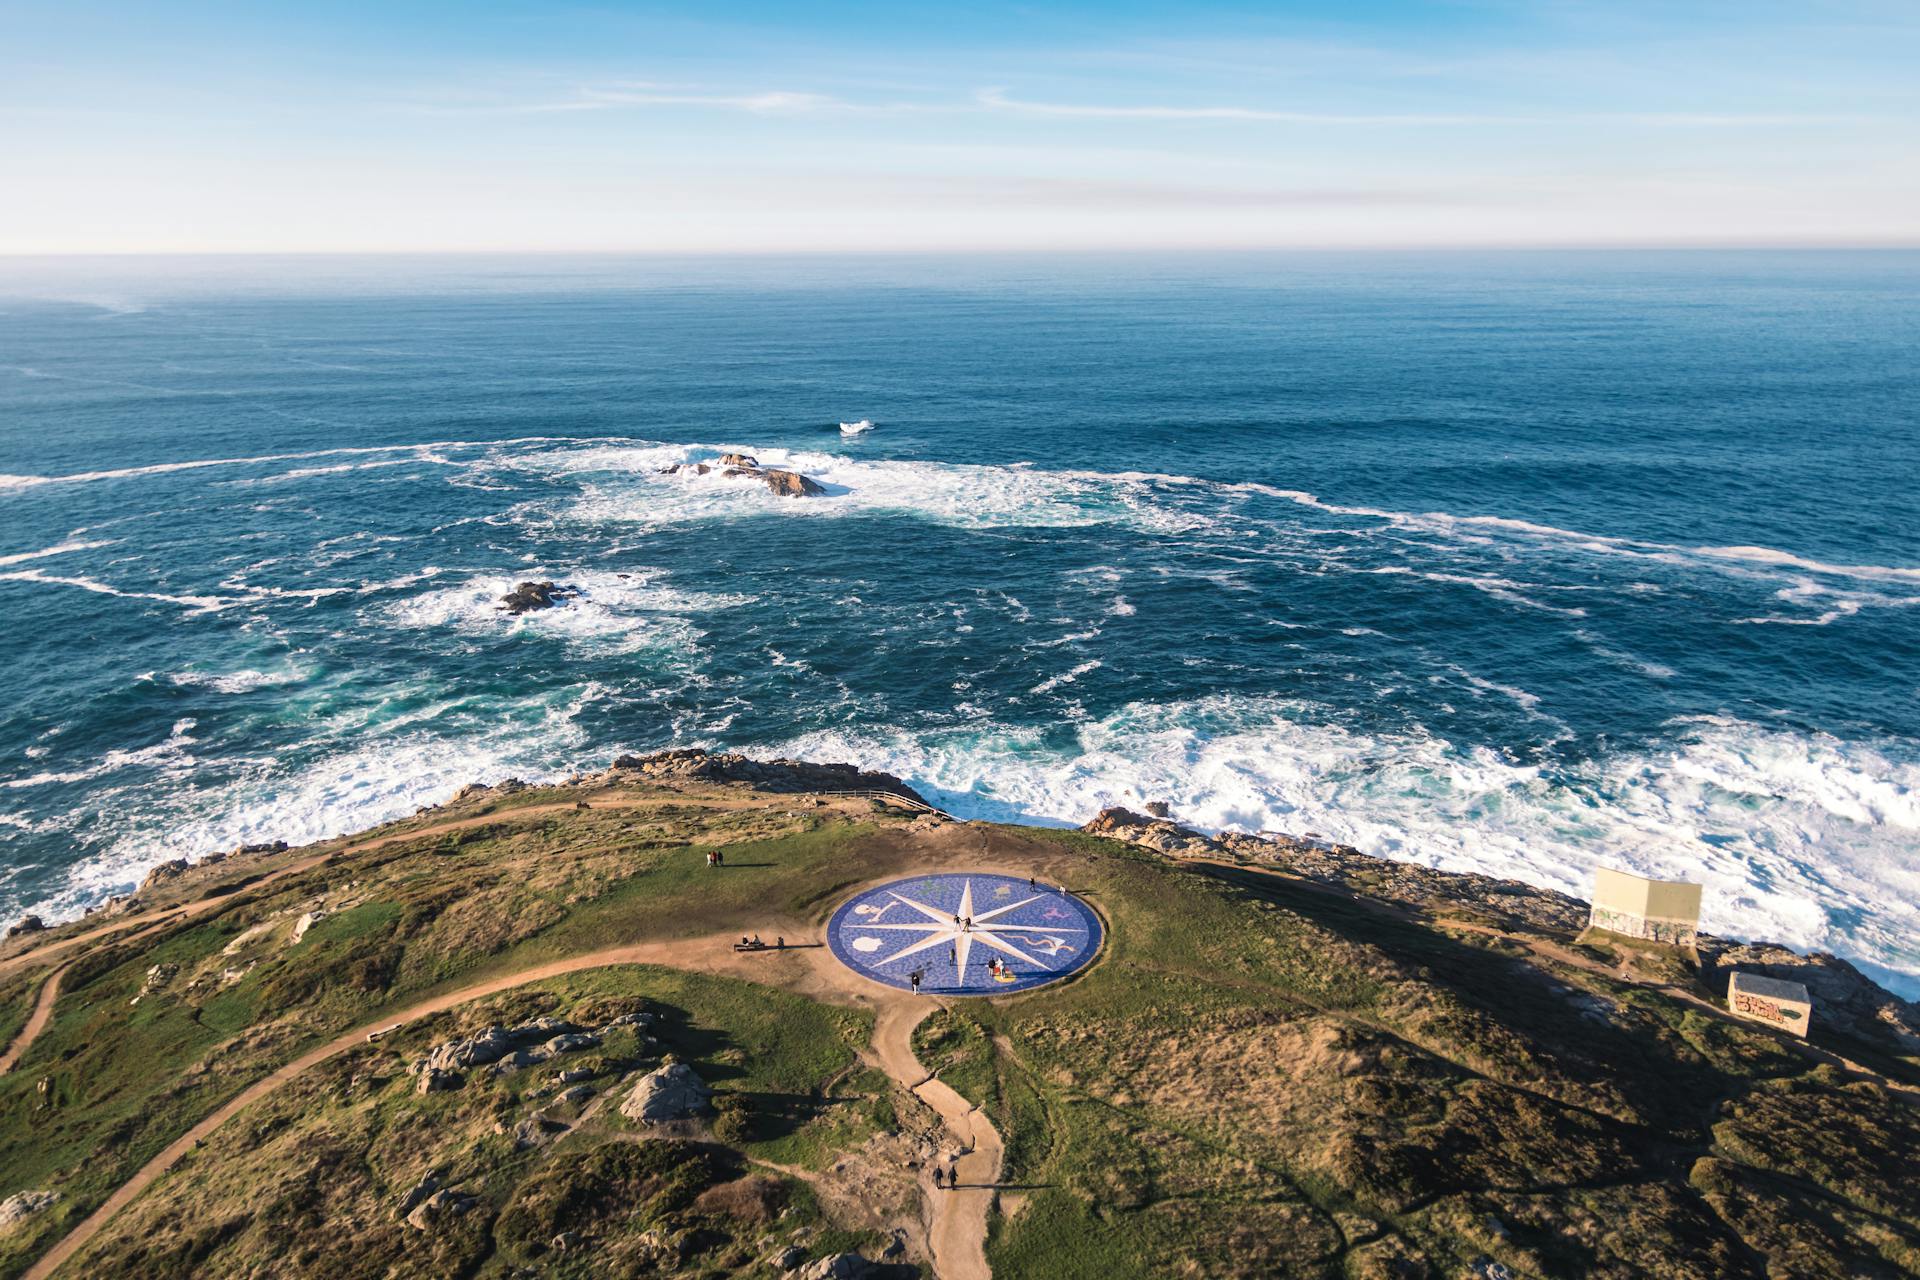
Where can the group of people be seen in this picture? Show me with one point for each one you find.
(754, 944)
(716, 858)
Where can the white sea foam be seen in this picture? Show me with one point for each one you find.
(1790, 832)
(856, 428)
(630, 611)
(1442, 522)
(245, 681)
(197, 464)
(1066, 677)
(170, 754)
(58, 549)
(196, 603)
(627, 484)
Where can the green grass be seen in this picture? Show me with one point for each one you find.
(790, 1056)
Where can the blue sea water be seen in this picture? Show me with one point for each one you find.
(1519, 563)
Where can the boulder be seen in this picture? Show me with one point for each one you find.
(434, 1080)
(1158, 809)
(307, 920)
(576, 1096)
(23, 1205)
(839, 1266)
(535, 1130)
(529, 596)
(791, 484)
(535, 1030)
(421, 1190)
(440, 1205)
(164, 872)
(487, 1045)
(519, 1060)
(28, 924)
(740, 460)
(572, 1042)
(673, 1092)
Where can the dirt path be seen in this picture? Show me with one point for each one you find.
(957, 1237)
(957, 1233)
(36, 1021)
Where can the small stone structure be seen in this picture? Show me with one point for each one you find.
(1785, 1005)
(1636, 907)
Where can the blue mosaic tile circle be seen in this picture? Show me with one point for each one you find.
(952, 928)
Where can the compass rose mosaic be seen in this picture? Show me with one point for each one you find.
(965, 934)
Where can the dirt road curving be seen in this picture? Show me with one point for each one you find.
(957, 1238)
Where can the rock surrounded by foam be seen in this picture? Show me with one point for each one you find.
(529, 596)
(785, 484)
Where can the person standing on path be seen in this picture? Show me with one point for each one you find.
(914, 978)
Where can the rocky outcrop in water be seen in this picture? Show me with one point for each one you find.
(699, 765)
(529, 596)
(786, 484)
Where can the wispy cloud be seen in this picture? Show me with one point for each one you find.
(628, 94)
(997, 100)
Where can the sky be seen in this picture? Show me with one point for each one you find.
(496, 125)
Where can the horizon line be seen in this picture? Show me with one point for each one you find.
(1076, 251)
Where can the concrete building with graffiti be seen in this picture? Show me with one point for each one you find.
(1636, 907)
(1785, 1005)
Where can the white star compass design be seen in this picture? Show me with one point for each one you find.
(1045, 933)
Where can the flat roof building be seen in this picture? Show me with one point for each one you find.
(1757, 998)
(1636, 907)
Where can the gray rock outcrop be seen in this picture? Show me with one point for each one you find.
(28, 924)
(23, 1205)
(782, 775)
(673, 1092)
(840, 1266)
(442, 1204)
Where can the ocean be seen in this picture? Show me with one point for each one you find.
(1520, 563)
